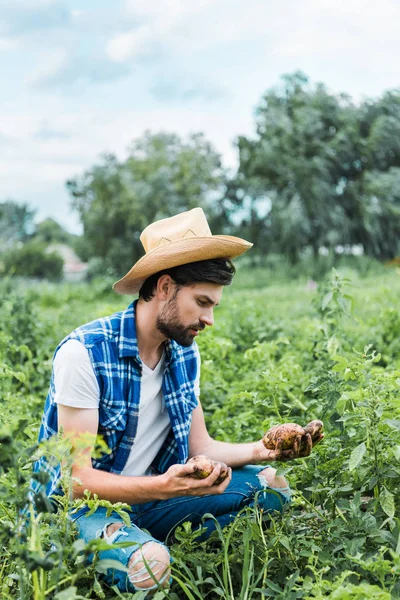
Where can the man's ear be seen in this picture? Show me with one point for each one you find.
(165, 287)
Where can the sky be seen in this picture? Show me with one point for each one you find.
(83, 78)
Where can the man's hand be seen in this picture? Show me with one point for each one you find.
(177, 481)
(262, 454)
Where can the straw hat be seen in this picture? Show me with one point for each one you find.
(179, 240)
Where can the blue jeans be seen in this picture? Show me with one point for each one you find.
(161, 517)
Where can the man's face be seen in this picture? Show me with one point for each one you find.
(189, 310)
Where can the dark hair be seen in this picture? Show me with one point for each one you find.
(216, 270)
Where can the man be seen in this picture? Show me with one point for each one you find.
(134, 379)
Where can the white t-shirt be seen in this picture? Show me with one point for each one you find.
(76, 385)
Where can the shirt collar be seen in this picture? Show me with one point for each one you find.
(127, 344)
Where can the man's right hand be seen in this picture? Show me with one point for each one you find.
(177, 481)
(118, 488)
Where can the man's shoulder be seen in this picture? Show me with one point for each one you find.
(100, 330)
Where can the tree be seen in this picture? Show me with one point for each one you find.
(382, 213)
(16, 223)
(50, 232)
(162, 176)
(312, 157)
(32, 260)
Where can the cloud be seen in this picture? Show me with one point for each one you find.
(22, 16)
(176, 91)
(63, 69)
(35, 170)
(171, 65)
(45, 132)
(153, 8)
(8, 44)
(167, 11)
(76, 13)
(130, 44)
(155, 26)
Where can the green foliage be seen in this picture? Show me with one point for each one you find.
(318, 181)
(320, 176)
(24, 246)
(32, 260)
(284, 353)
(321, 172)
(261, 272)
(51, 232)
(16, 223)
(163, 175)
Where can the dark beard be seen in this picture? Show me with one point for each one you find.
(168, 324)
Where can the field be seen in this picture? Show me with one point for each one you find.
(289, 352)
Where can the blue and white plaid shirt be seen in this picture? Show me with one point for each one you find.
(113, 350)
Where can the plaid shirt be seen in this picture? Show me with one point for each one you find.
(113, 350)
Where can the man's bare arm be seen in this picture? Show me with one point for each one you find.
(233, 455)
(79, 422)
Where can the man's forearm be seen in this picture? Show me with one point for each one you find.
(175, 482)
(233, 455)
(118, 488)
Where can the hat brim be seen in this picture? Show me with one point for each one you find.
(178, 253)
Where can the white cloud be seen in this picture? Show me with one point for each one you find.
(76, 13)
(53, 64)
(39, 4)
(63, 69)
(24, 16)
(171, 10)
(30, 163)
(35, 170)
(159, 26)
(8, 44)
(292, 30)
(130, 44)
(199, 47)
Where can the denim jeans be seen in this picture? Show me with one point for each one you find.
(160, 518)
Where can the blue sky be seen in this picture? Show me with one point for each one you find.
(80, 78)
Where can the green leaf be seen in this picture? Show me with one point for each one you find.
(326, 300)
(273, 586)
(19, 376)
(285, 542)
(332, 345)
(349, 374)
(108, 563)
(68, 594)
(340, 359)
(386, 500)
(341, 363)
(357, 456)
(393, 423)
(339, 367)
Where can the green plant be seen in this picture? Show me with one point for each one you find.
(284, 353)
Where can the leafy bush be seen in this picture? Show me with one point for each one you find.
(32, 260)
(286, 353)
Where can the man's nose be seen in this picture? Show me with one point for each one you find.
(208, 318)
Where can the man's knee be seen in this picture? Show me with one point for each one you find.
(272, 479)
(280, 492)
(149, 567)
(111, 529)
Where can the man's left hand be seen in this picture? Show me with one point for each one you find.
(262, 454)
